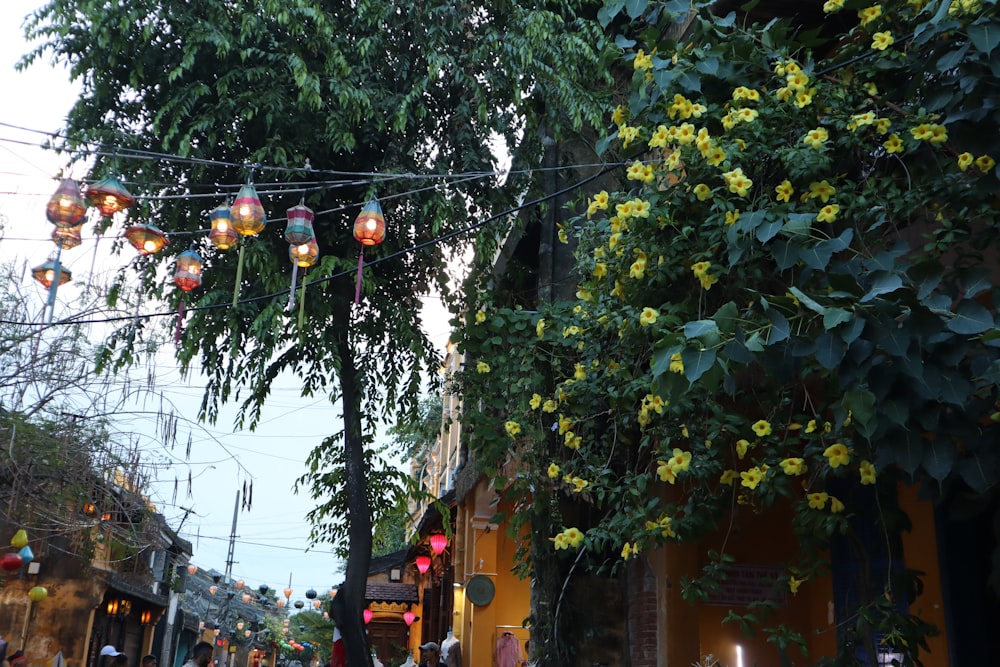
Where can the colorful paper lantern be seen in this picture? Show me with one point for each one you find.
(369, 230)
(222, 235)
(67, 238)
(247, 633)
(37, 593)
(45, 273)
(299, 229)
(409, 617)
(263, 588)
(240, 583)
(147, 239)
(367, 614)
(239, 625)
(247, 213)
(20, 538)
(299, 604)
(26, 554)
(187, 274)
(192, 568)
(66, 208)
(10, 562)
(317, 604)
(438, 543)
(288, 592)
(423, 563)
(109, 196)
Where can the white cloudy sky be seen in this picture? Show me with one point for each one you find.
(272, 536)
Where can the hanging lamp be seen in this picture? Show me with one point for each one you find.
(299, 229)
(222, 236)
(67, 238)
(66, 208)
(304, 255)
(109, 196)
(369, 230)
(187, 276)
(45, 273)
(147, 239)
(247, 218)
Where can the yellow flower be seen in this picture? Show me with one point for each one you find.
(549, 406)
(684, 430)
(480, 317)
(815, 138)
(833, 6)
(893, 144)
(804, 98)
(882, 125)
(676, 364)
(838, 455)
(618, 115)
(737, 181)
(727, 477)
(702, 192)
(634, 172)
(573, 441)
(665, 472)
(535, 402)
(680, 461)
(867, 470)
(869, 14)
(648, 316)
(861, 120)
(811, 426)
(579, 372)
(823, 190)
(579, 485)
(553, 471)
(660, 137)
(985, 163)
(563, 236)
(643, 61)
(793, 583)
(630, 550)
(817, 501)
(640, 208)
(512, 428)
(965, 161)
(663, 524)
(762, 428)
(931, 133)
(571, 330)
(882, 40)
(785, 191)
(794, 466)
(828, 213)
(685, 134)
(482, 367)
(716, 156)
(598, 203)
(540, 328)
(628, 135)
(624, 210)
(638, 268)
(654, 402)
(618, 290)
(732, 217)
(565, 424)
(835, 505)
(742, 445)
(751, 478)
(797, 81)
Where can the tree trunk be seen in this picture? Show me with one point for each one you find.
(347, 606)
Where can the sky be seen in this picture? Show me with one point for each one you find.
(272, 536)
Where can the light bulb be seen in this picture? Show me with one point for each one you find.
(245, 210)
(223, 226)
(50, 275)
(149, 246)
(370, 224)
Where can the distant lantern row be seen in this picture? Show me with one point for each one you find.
(245, 217)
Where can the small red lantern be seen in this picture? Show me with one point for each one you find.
(300, 225)
(10, 562)
(45, 273)
(369, 226)
(187, 275)
(247, 213)
(423, 563)
(66, 207)
(67, 238)
(438, 543)
(240, 584)
(222, 236)
(246, 598)
(367, 614)
(147, 239)
(409, 617)
(109, 196)
(280, 603)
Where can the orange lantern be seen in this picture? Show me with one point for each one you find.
(240, 584)
(247, 213)
(246, 598)
(317, 604)
(192, 568)
(304, 255)
(213, 589)
(67, 238)
(280, 603)
(147, 239)
(45, 273)
(187, 276)
(288, 592)
(66, 207)
(369, 230)
(222, 236)
(109, 196)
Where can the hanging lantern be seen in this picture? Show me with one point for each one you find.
(213, 589)
(286, 622)
(147, 239)
(201, 625)
(240, 624)
(217, 632)
(192, 568)
(26, 554)
(247, 213)
(187, 275)
(299, 604)
(326, 616)
(10, 561)
(367, 615)
(20, 538)
(311, 594)
(263, 588)
(37, 593)
(317, 604)
(423, 563)
(67, 238)
(222, 236)
(409, 617)
(109, 196)
(288, 592)
(438, 543)
(66, 207)
(299, 229)
(305, 254)
(247, 633)
(369, 230)
(45, 273)
(239, 584)
(246, 598)
(280, 603)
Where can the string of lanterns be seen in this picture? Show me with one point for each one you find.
(242, 219)
(13, 561)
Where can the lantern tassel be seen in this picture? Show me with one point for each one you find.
(239, 276)
(357, 287)
(180, 317)
(302, 303)
(55, 284)
(291, 292)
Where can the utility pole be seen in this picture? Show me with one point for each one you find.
(232, 540)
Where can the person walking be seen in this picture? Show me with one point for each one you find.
(201, 655)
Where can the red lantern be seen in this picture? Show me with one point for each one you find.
(367, 615)
(423, 563)
(222, 236)
(10, 562)
(147, 239)
(438, 543)
(369, 226)
(109, 196)
(409, 617)
(187, 275)
(247, 213)
(66, 207)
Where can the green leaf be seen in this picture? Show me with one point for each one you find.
(926, 276)
(970, 319)
(798, 224)
(830, 350)
(697, 362)
(985, 36)
(883, 282)
(861, 404)
(660, 363)
(786, 255)
(806, 301)
(699, 328)
(769, 230)
(939, 457)
(726, 317)
(834, 317)
(976, 279)
(635, 8)
(779, 330)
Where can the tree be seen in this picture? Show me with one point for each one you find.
(794, 271)
(331, 103)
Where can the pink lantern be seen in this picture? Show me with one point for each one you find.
(317, 604)
(423, 563)
(409, 617)
(438, 543)
(367, 615)
(246, 598)
(280, 603)
(192, 568)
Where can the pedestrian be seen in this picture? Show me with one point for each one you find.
(430, 654)
(149, 660)
(201, 655)
(18, 659)
(108, 654)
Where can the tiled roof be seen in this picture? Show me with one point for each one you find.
(390, 592)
